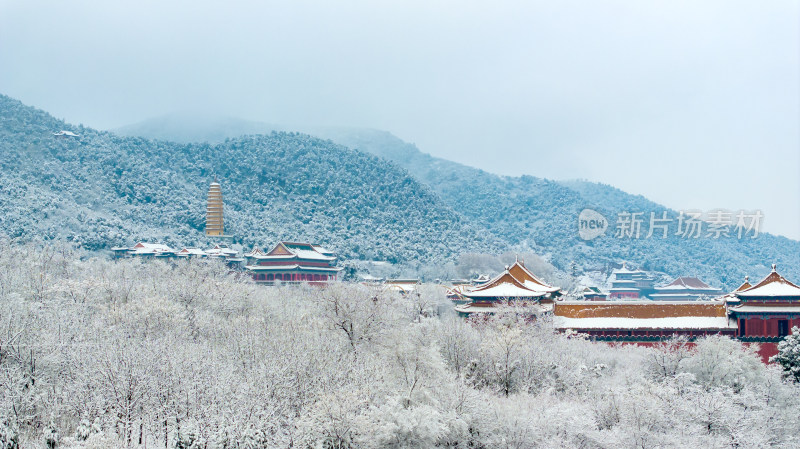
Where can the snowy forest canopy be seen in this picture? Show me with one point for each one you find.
(97, 354)
(540, 215)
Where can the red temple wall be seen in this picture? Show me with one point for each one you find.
(766, 350)
(757, 327)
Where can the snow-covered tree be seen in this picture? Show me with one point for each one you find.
(183, 354)
(789, 355)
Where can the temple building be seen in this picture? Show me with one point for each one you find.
(766, 312)
(630, 284)
(214, 219)
(221, 250)
(516, 285)
(685, 289)
(402, 286)
(292, 262)
(593, 294)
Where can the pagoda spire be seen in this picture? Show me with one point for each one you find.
(214, 219)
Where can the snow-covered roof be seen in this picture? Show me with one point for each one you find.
(472, 307)
(508, 285)
(322, 250)
(772, 286)
(288, 250)
(308, 254)
(482, 278)
(746, 308)
(151, 246)
(528, 279)
(191, 252)
(220, 251)
(678, 296)
(504, 290)
(142, 249)
(403, 281)
(402, 288)
(459, 289)
(290, 267)
(745, 285)
(65, 133)
(678, 288)
(686, 282)
(369, 277)
(538, 287)
(516, 282)
(255, 252)
(676, 323)
(624, 269)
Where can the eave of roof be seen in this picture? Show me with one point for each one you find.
(772, 286)
(266, 268)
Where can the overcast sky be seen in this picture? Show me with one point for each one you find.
(693, 104)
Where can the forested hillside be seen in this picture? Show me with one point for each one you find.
(102, 190)
(542, 214)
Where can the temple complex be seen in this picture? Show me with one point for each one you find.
(763, 313)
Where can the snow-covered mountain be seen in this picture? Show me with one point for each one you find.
(531, 213)
(102, 190)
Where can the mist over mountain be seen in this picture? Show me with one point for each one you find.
(189, 126)
(101, 190)
(537, 214)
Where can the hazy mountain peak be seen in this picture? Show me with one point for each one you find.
(194, 126)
